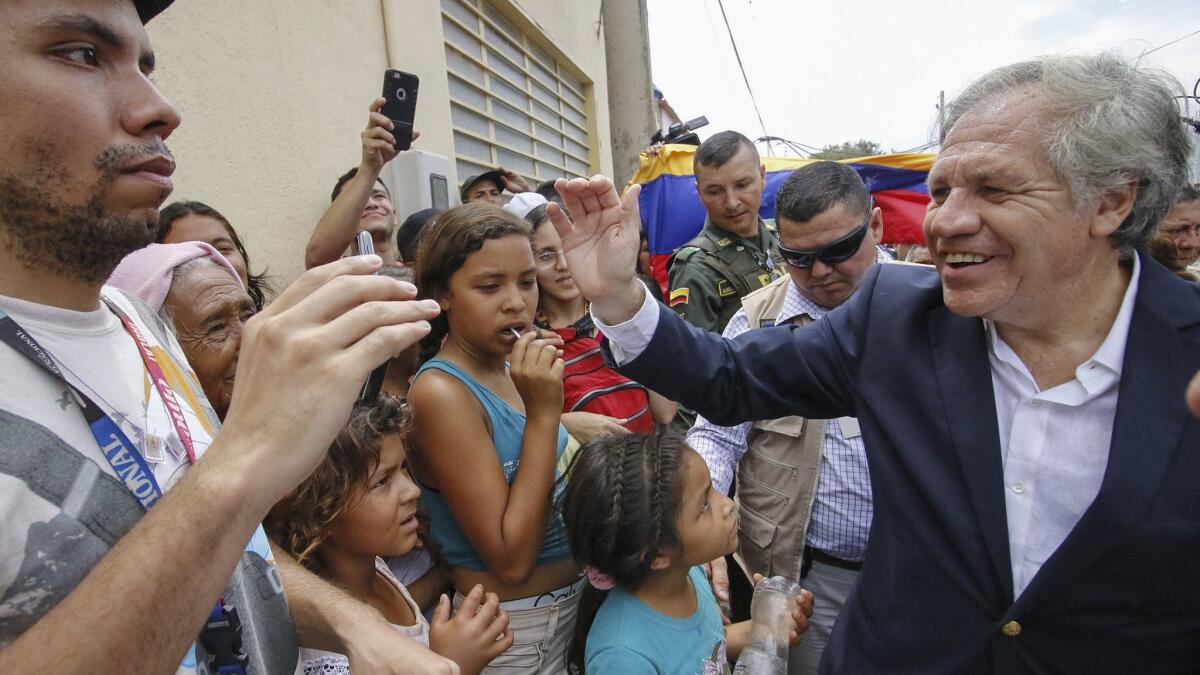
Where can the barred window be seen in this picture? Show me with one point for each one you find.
(511, 103)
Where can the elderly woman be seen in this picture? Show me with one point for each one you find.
(200, 295)
(197, 221)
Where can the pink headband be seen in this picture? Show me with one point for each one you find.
(147, 272)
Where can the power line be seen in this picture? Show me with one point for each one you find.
(741, 67)
(716, 44)
(1143, 53)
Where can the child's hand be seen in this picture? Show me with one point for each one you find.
(477, 634)
(537, 372)
(800, 608)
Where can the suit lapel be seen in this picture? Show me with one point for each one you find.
(1151, 413)
(965, 380)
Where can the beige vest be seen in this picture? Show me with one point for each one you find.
(777, 478)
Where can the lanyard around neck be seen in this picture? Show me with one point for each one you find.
(122, 455)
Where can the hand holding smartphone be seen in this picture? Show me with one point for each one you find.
(400, 106)
(363, 245)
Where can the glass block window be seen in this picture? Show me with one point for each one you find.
(511, 103)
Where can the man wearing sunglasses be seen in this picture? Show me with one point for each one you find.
(804, 494)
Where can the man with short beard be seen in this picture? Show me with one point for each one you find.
(118, 554)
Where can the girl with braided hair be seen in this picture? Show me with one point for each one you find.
(642, 517)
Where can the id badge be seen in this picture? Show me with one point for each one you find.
(152, 448)
(849, 427)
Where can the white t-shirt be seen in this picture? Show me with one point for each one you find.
(61, 505)
(317, 662)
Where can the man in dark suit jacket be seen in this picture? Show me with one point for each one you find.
(1034, 466)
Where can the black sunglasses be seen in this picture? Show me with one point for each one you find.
(832, 253)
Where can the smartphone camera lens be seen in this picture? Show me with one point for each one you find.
(402, 94)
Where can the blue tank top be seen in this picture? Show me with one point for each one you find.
(508, 427)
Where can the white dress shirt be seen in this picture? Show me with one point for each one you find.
(1054, 443)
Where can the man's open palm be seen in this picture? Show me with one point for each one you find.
(601, 238)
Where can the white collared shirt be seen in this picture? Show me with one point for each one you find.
(1054, 443)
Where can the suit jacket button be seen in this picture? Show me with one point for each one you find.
(1011, 629)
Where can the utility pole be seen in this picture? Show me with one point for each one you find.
(941, 106)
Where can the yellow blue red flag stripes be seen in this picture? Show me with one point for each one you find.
(672, 213)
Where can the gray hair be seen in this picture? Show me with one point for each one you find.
(167, 314)
(1113, 124)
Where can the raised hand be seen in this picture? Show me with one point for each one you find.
(304, 359)
(512, 180)
(601, 241)
(378, 143)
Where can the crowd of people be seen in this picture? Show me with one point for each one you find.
(981, 458)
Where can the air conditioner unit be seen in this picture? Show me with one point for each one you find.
(419, 180)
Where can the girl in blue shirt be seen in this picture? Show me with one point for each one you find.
(642, 517)
(488, 445)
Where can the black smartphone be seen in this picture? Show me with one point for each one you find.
(363, 245)
(400, 93)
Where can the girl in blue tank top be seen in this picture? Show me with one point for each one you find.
(488, 445)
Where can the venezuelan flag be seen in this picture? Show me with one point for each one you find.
(672, 213)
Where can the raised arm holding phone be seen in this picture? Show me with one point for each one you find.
(361, 201)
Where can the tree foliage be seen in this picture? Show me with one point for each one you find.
(850, 149)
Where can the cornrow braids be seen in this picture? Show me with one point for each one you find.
(620, 507)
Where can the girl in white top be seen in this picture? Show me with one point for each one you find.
(361, 505)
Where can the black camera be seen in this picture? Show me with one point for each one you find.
(683, 133)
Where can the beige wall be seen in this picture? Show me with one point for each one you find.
(274, 97)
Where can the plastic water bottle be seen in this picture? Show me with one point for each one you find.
(766, 651)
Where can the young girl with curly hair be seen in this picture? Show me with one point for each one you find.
(359, 506)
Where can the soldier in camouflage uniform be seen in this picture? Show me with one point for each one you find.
(735, 252)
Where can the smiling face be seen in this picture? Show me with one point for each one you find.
(825, 284)
(382, 518)
(195, 227)
(1001, 226)
(493, 293)
(210, 309)
(707, 522)
(81, 132)
(379, 218)
(553, 276)
(732, 192)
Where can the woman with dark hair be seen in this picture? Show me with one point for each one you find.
(490, 401)
(197, 221)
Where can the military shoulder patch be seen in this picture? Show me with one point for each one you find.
(679, 296)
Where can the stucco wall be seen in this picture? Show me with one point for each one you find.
(274, 97)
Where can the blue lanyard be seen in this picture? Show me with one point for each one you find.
(122, 455)
(223, 627)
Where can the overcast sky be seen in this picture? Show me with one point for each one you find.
(827, 72)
